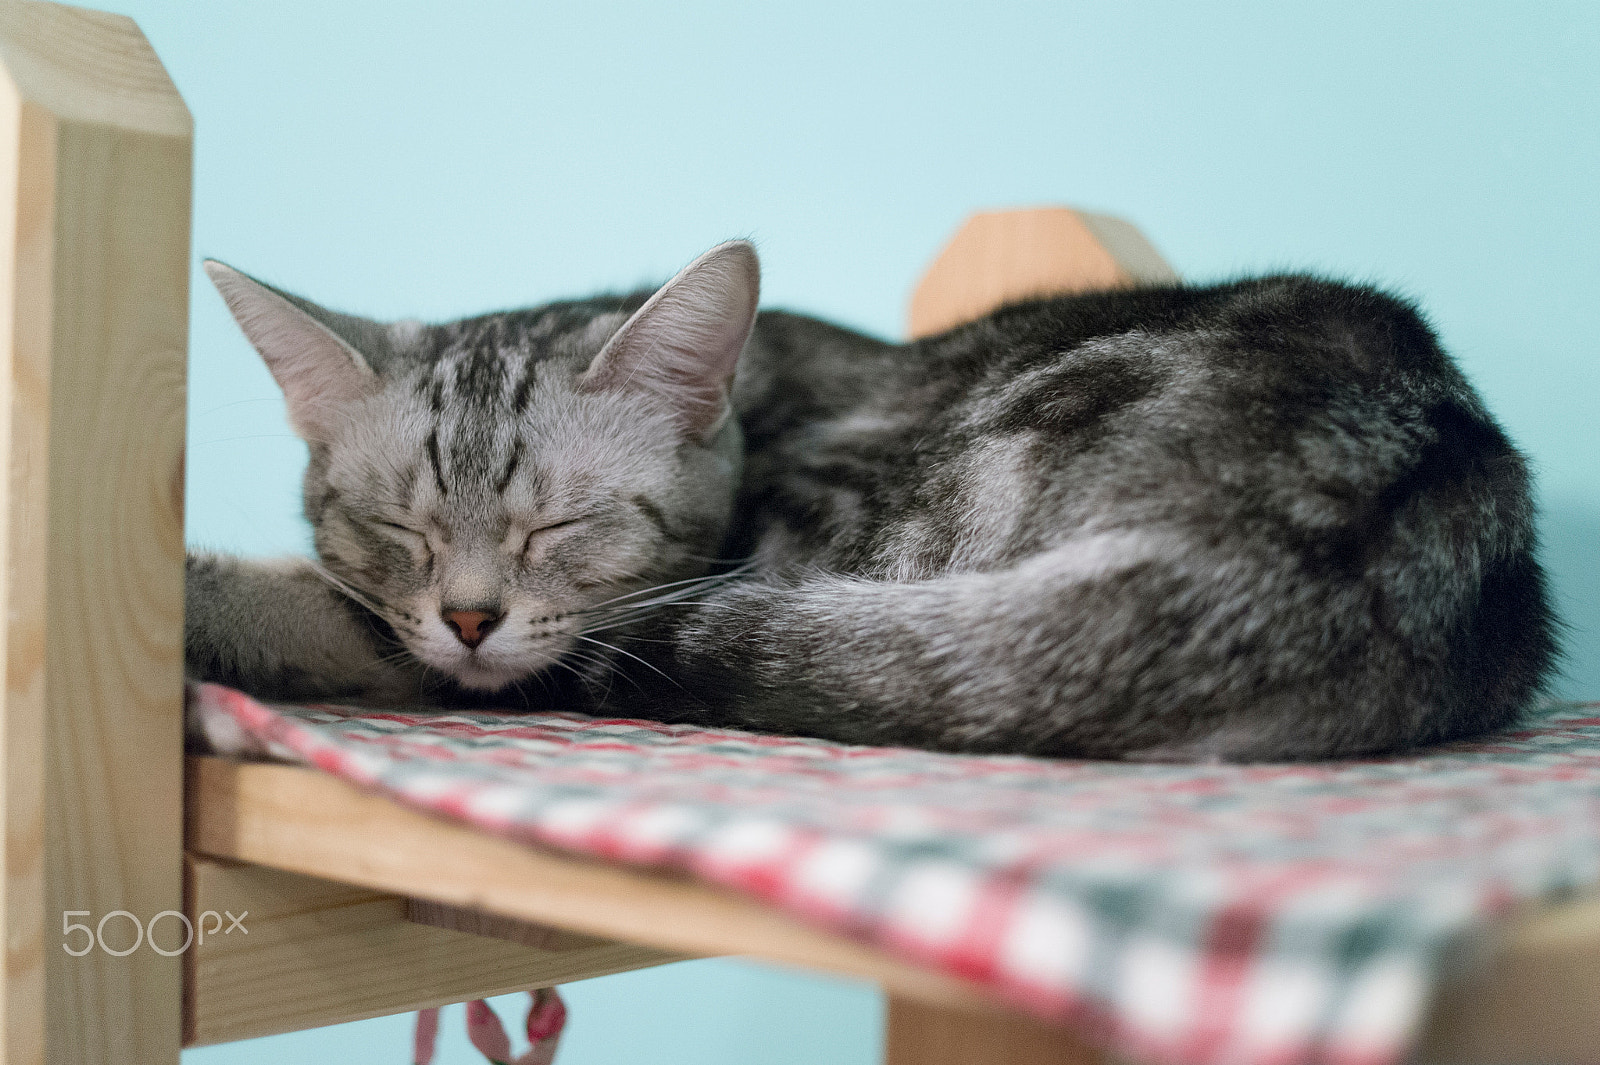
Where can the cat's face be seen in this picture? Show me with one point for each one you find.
(490, 487)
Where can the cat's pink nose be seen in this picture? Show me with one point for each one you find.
(471, 627)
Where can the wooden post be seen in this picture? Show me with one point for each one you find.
(93, 326)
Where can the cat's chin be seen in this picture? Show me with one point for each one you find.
(490, 669)
(485, 681)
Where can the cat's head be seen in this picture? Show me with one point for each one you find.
(487, 486)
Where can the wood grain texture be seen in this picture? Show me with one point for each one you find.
(999, 257)
(479, 923)
(919, 1034)
(309, 952)
(95, 286)
(311, 823)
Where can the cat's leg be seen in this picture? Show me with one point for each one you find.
(275, 629)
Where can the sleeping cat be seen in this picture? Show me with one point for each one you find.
(1260, 520)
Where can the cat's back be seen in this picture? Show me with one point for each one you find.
(1291, 334)
(1288, 404)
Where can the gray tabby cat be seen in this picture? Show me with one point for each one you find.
(1261, 520)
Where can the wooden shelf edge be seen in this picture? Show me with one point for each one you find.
(304, 821)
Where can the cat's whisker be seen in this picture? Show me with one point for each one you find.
(394, 656)
(582, 679)
(343, 586)
(638, 592)
(629, 610)
(607, 672)
(521, 693)
(683, 598)
(630, 654)
(645, 608)
(622, 623)
(713, 578)
(581, 655)
(607, 668)
(238, 403)
(585, 655)
(544, 685)
(589, 629)
(681, 594)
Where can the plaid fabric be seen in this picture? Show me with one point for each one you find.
(1263, 915)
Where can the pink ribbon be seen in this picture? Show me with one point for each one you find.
(547, 1017)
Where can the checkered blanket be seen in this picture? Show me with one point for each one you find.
(1260, 915)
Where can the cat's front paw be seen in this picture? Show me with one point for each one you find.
(274, 629)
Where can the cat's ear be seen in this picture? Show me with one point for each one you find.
(318, 370)
(684, 342)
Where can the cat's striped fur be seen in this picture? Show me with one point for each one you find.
(1268, 519)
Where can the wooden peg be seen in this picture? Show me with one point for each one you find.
(999, 257)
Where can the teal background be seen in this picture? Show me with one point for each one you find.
(434, 160)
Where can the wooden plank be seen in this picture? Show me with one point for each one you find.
(919, 1034)
(307, 952)
(308, 822)
(478, 923)
(999, 257)
(96, 145)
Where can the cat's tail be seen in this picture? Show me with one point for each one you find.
(1124, 644)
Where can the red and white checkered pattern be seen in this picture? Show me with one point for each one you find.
(1193, 915)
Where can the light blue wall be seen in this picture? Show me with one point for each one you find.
(408, 159)
(719, 1012)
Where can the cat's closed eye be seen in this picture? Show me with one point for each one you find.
(418, 542)
(527, 541)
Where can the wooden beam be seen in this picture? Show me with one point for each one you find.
(308, 822)
(94, 270)
(919, 1034)
(285, 952)
(999, 257)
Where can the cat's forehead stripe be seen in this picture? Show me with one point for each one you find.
(482, 378)
(481, 372)
(432, 447)
(519, 397)
(510, 470)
